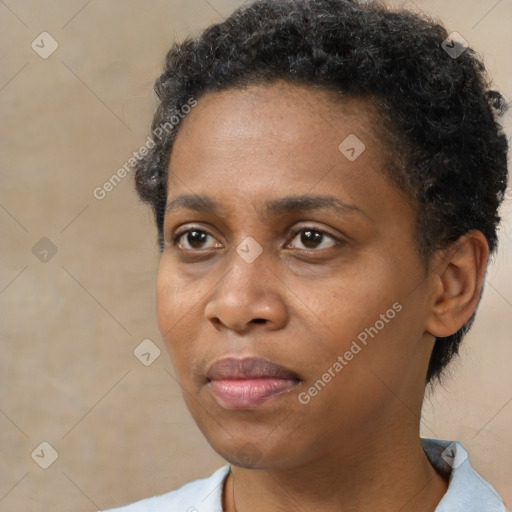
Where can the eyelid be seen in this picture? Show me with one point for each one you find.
(292, 233)
(180, 232)
(295, 231)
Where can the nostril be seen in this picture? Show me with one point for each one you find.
(259, 320)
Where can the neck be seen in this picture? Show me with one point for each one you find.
(388, 477)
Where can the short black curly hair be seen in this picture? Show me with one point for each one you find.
(439, 108)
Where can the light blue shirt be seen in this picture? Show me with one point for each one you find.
(467, 491)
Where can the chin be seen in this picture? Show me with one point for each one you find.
(250, 453)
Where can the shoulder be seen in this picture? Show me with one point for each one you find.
(204, 494)
(467, 490)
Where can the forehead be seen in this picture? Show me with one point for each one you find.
(278, 124)
(246, 147)
(280, 104)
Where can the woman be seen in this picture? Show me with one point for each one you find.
(325, 180)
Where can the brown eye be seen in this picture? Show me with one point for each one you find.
(192, 239)
(314, 239)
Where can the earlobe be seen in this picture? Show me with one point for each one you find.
(457, 284)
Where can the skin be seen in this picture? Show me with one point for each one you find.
(355, 445)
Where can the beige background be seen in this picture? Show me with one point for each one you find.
(69, 325)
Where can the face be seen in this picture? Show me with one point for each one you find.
(290, 294)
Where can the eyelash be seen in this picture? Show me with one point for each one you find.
(293, 234)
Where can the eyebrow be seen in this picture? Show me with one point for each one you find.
(275, 207)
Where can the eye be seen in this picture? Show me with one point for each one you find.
(195, 239)
(192, 239)
(314, 238)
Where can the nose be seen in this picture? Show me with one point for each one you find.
(248, 294)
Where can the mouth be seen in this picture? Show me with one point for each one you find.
(249, 382)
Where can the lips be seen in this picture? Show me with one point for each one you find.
(248, 383)
(248, 368)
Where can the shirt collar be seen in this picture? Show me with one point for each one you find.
(467, 491)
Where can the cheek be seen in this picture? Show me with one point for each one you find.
(367, 318)
(177, 295)
(166, 299)
(354, 300)
(174, 308)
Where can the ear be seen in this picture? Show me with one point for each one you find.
(457, 278)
